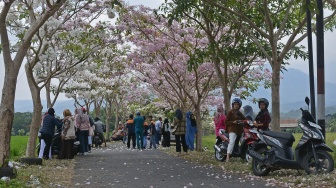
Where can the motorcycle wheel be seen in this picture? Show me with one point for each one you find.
(325, 162)
(219, 156)
(258, 168)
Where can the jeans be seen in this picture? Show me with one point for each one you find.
(139, 139)
(152, 142)
(144, 141)
(83, 141)
(157, 137)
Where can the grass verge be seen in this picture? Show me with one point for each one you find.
(279, 178)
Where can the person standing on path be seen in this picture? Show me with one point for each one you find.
(125, 132)
(138, 123)
(68, 136)
(91, 133)
(48, 130)
(179, 131)
(152, 133)
(131, 132)
(145, 133)
(158, 125)
(83, 124)
(166, 133)
(191, 130)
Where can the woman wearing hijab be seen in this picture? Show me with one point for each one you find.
(248, 112)
(68, 136)
(191, 130)
(219, 120)
(166, 133)
(180, 131)
(83, 124)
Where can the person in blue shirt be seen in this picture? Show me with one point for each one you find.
(138, 123)
(48, 130)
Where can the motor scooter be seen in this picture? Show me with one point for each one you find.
(247, 139)
(56, 144)
(274, 149)
(97, 140)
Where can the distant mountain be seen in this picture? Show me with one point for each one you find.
(27, 106)
(294, 87)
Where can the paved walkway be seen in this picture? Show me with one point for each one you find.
(115, 166)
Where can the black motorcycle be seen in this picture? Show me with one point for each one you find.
(96, 140)
(274, 150)
(56, 144)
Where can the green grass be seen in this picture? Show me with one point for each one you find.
(18, 146)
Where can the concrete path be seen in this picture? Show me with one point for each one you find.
(116, 166)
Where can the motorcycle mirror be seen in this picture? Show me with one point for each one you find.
(307, 100)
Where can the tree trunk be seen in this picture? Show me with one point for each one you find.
(108, 110)
(275, 123)
(47, 88)
(97, 106)
(37, 114)
(7, 111)
(199, 129)
(11, 73)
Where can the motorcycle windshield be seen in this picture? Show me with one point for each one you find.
(307, 117)
(315, 125)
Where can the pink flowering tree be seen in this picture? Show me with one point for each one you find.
(160, 57)
(22, 19)
(238, 63)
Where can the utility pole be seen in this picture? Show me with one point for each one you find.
(320, 66)
(311, 62)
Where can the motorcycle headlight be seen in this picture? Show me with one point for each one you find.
(317, 135)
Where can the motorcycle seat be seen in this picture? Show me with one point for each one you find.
(286, 136)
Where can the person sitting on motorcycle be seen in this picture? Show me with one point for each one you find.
(219, 120)
(232, 125)
(263, 118)
(248, 112)
(99, 129)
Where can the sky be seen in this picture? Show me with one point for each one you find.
(23, 92)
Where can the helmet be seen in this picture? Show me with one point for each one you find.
(138, 113)
(263, 100)
(236, 100)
